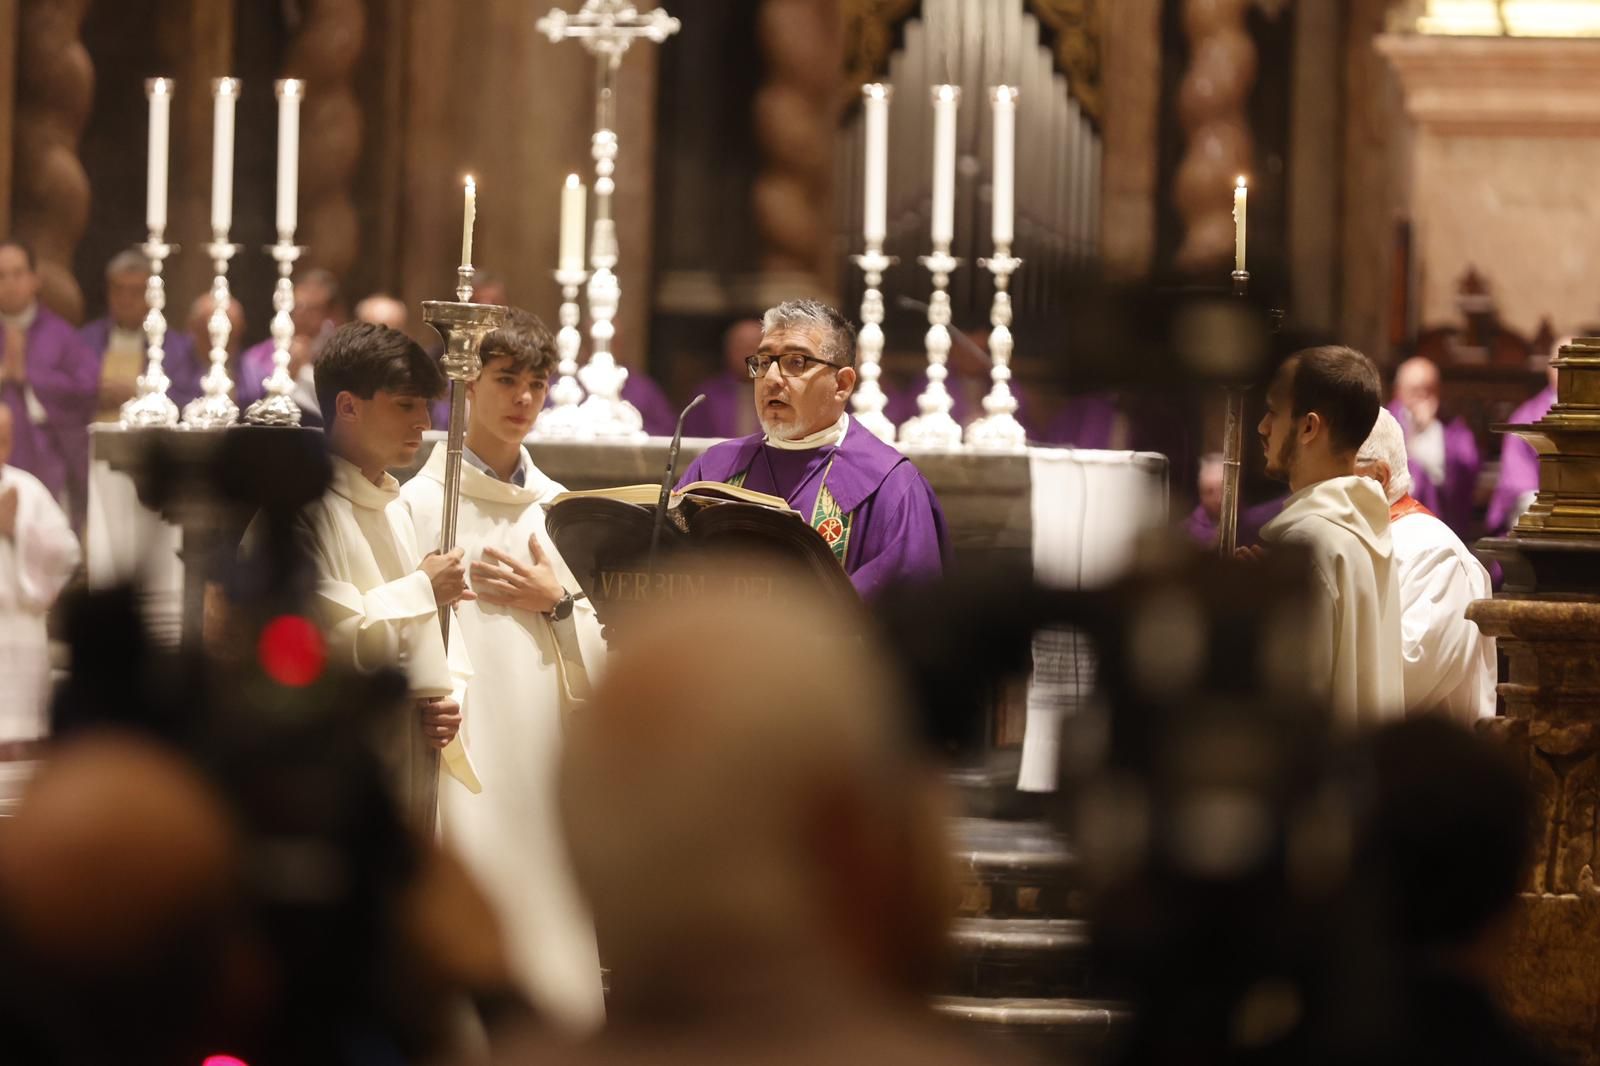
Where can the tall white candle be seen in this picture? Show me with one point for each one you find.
(946, 98)
(574, 205)
(159, 90)
(876, 212)
(225, 93)
(1240, 195)
(290, 92)
(1005, 164)
(468, 217)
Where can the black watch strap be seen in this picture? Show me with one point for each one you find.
(563, 608)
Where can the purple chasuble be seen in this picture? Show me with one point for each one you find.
(729, 410)
(660, 417)
(1519, 463)
(1202, 528)
(64, 376)
(178, 362)
(897, 529)
(1451, 497)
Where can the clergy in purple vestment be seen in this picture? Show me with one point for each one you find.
(50, 379)
(1201, 525)
(319, 309)
(119, 340)
(969, 382)
(1519, 463)
(729, 410)
(866, 499)
(1443, 455)
(641, 390)
(1091, 420)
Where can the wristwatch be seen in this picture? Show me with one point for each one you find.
(563, 608)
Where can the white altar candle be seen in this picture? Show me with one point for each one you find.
(945, 100)
(468, 217)
(1005, 164)
(225, 92)
(877, 192)
(159, 90)
(1240, 194)
(574, 204)
(290, 91)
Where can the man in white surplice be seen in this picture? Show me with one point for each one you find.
(377, 596)
(530, 642)
(38, 553)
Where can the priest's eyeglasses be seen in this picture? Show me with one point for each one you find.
(790, 364)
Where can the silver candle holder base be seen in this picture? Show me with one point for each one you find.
(564, 419)
(151, 407)
(277, 406)
(868, 401)
(933, 427)
(998, 429)
(214, 407)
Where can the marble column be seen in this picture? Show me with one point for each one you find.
(325, 52)
(1217, 143)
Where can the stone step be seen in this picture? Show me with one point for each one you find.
(1000, 958)
(1015, 870)
(1056, 1029)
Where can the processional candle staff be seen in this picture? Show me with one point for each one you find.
(1233, 419)
(566, 395)
(868, 401)
(998, 428)
(277, 406)
(151, 406)
(933, 427)
(214, 408)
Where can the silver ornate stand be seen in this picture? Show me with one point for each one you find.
(869, 400)
(933, 427)
(214, 408)
(998, 429)
(151, 406)
(277, 407)
(606, 29)
(563, 420)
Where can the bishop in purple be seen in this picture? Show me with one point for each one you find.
(50, 379)
(1443, 455)
(867, 500)
(119, 340)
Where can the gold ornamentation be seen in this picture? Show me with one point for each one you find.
(1076, 25)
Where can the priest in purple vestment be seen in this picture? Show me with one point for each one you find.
(50, 380)
(1443, 455)
(728, 410)
(119, 340)
(319, 309)
(1201, 525)
(1519, 463)
(867, 500)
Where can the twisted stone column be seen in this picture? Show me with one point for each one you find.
(1211, 108)
(55, 89)
(796, 112)
(324, 52)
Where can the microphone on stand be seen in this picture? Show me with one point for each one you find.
(666, 480)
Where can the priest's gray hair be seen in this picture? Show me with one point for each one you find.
(127, 261)
(838, 335)
(1387, 444)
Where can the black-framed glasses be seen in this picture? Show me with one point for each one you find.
(790, 364)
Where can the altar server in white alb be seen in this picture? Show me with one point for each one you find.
(1320, 407)
(378, 597)
(532, 647)
(1449, 662)
(38, 554)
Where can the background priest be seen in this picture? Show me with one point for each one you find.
(1449, 663)
(529, 644)
(1320, 408)
(872, 506)
(118, 338)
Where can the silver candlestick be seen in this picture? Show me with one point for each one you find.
(933, 427)
(151, 406)
(606, 29)
(277, 406)
(214, 408)
(869, 400)
(563, 420)
(998, 429)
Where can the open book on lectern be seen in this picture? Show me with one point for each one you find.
(604, 537)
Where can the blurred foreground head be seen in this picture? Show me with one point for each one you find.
(743, 803)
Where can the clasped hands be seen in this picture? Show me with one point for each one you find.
(498, 579)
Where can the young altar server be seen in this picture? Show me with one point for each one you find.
(532, 645)
(377, 595)
(872, 506)
(1320, 408)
